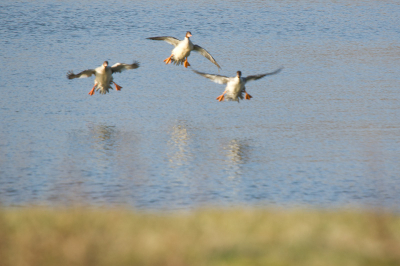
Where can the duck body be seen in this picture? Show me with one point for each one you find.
(182, 51)
(235, 89)
(103, 76)
(103, 79)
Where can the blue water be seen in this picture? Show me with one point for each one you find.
(325, 132)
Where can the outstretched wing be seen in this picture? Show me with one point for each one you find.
(206, 54)
(168, 39)
(119, 67)
(216, 78)
(255, 77)
(84, 74)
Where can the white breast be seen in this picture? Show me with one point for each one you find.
(183, 49)
(103, 76)
(234, 88)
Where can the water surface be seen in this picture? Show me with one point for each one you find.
(324, 132)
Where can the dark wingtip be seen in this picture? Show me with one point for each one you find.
(70, 74)
(194, 70)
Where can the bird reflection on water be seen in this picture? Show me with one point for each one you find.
(179, 151)
(237, 152)
(115, 148)
(91, 154)
(104, 136)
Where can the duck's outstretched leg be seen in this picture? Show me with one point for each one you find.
(92, 91)
(117, 87)
(221, 97)
(248, 96)
(186, 63)
(168, 60)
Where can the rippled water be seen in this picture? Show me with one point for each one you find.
(323, 132)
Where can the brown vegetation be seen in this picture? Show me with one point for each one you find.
(89, 236)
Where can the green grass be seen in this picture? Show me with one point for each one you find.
(90, 236)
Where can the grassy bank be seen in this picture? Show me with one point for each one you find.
(39, 236)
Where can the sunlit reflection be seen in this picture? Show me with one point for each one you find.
(237, 153)
(178, 143)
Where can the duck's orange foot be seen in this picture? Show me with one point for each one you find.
(186, 63)
(92, 91)
(168, 60)
(248, 96)
(117, 87)
(220, 98)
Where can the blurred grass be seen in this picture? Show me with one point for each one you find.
(90, 236)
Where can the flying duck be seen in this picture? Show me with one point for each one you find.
(235, 86)
(182, 50)
(103, 76)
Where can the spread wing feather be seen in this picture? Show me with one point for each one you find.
(206, 54)
(171, 40)
(84, 74)
(255, 77)
(119, 67)
(216, 78)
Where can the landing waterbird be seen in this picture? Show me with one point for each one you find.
(103, 76)
(235, 86)
(182, 50)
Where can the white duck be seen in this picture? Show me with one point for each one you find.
(235, 86)
(182, 50)
(103, 75)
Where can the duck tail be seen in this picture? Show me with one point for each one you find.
(103, 90)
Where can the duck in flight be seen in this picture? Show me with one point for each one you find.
(103, 76)
(235, 86)
(182, 50)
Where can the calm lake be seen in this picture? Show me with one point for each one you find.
(325, 132)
